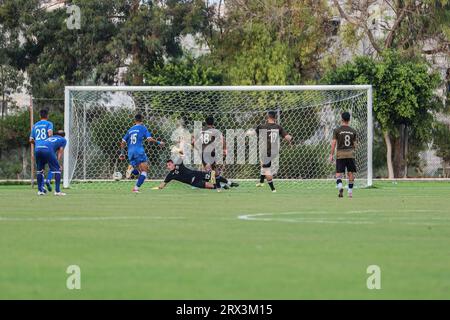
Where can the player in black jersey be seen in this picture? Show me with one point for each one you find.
(272, 132)
(344, 142)
(210, 139)
(179, 172)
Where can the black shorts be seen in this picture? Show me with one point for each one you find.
(213, 164)
(342, 164)
(267, 165)
(200, 178)
(198, 183)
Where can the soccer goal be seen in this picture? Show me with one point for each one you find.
(96, 118)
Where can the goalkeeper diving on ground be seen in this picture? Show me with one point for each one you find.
(198, 179)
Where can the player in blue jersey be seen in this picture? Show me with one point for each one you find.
(50, 151)
(40, 131)
(134, 139)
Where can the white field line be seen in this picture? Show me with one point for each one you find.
(105, 218)
(352, 217)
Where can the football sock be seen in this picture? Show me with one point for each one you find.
(135, 172)
(141, 179)
(40, 180)
(350, 187)
(339, 183)
(49, 176)
(272, 187)
(261, 178)
(57, 181)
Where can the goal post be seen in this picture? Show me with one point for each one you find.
(96, 117)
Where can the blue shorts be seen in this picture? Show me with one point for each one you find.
(136, 159)
(46, 156)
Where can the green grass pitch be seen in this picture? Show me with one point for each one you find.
(180, 243)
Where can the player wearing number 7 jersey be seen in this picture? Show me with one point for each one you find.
(134, 139)
(344, 138)
(270, 131)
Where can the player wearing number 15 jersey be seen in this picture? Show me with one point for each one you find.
(344, 141)
(134, 139)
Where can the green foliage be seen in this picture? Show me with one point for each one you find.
(15, 130)
(270, 42)
(184, 71)
(261, 60)
(10, 169)
(114, 34)
(404, 90)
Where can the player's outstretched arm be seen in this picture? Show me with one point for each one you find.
(161, 186)
(159, 143)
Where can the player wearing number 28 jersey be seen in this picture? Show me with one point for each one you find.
(134, 139)
(344, 141)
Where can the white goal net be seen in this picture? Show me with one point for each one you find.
(96, 119)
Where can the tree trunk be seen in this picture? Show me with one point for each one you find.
(405, 151)
(397, 157)
(387, 140)
(399, 153)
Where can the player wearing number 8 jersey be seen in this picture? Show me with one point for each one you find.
(344, 141)
(134, 139)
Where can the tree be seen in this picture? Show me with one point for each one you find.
(185, 71)
(412, 28)
(406, 25)
(11, 79)
(269, 41)
(262, 59)
(118, 40)
(404, 100)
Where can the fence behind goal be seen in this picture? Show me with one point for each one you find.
(96, 119)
